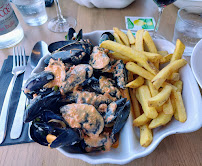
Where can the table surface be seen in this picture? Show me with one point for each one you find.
(181, 149)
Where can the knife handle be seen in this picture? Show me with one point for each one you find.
(17, 125)
(5, 110)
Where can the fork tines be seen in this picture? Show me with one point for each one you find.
(19, 53)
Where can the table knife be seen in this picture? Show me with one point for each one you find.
(17, 125)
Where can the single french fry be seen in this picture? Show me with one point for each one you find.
(130, 53)
(166, 59)
(174, 88)
(180, 109)
(149, 42)
(132, 46)
(174, 77)
(163, 53)
(135, 104)
(153, 90)
(179, 50)
(178, 84)
(131, 37)
(118, 56)
(146, 135)
(167, 107)
(117, 38)
(139, 45)
(141, 120)
(143, 95)
(131, 66)
(136, 83)
(161, 97)
(172, 99)
(158, 80)
(152, 56)
(161, 119)
(122, 35)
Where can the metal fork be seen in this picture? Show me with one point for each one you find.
(19, 64)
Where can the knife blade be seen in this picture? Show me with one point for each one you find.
(17, 125)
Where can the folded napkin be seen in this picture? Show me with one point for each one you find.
(5, 78)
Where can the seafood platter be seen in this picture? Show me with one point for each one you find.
(77, 102)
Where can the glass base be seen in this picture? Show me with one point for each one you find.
(61, 25)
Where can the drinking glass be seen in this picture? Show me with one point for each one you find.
(188, 27)
(33, 11)
(61, 23)
(161, 5)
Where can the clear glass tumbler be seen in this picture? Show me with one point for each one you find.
(188, 27)
(32, 11)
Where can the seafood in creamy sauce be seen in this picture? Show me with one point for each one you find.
(76, 102)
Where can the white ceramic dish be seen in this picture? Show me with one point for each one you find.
(105, 3)
(188, 3)
(129, 147)
(196, 60)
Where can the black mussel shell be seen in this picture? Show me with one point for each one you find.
(121, 119)
(39, 104)
(56, 45)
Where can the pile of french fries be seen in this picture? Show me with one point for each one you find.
(154, 92)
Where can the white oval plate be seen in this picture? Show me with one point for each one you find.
(105, 3)
(129, 147)
(196, 60)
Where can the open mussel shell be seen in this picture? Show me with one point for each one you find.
(121, 119)
(36, 82)
(56, 45)
(70, 34)
(51, 123)
(112, 114)
(39, 104)
(75, 52)
(66, 137)
(106, 36)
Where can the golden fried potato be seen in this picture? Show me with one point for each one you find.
(132, 46)
(136, 83)
(149, 42)
(178, 84)
(143, 95)
(174, 77)
(161, 119)
(179, 50)
(131, 37)
(122, 36)
(131, 66)
(153, 90)
(167, 107)
(117, 38)
(146, 135)
(152, 56)
(180, 111)
(135, 104)
(119, 56)
(166, 58)
(139, 45)
(141, 120)
(161, 97)
(130, 53)
(163, 53)
(158, 80)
